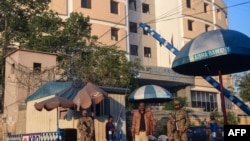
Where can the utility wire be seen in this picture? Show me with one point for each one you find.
(175, 10)
(201, 12)
(120, 20)
(183, 17)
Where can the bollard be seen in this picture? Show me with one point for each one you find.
(110, 136)
(213, 127)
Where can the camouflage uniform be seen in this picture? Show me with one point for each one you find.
(170, 128)
(86, 128)
(181, 124)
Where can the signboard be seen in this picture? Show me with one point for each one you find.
(32, 137)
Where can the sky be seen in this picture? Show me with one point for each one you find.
(239, 15)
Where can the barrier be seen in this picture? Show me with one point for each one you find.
(45, 136)
(213, 127)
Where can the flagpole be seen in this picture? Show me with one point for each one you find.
(172, 42)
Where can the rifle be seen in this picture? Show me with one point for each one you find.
(88, 128)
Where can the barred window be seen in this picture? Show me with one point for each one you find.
(205, 100)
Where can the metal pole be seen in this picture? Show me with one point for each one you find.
(222, 99)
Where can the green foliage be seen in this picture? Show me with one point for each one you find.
(203, 122)
(170, 105)
(232, 118)
(243, 83)
(16, 20)
(35, 27)
(104, 65)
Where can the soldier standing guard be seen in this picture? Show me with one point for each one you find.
(170, 127)
(86, 127)
(181, 121)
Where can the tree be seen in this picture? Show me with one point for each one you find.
(35, 27)
(31, 25)
(16, 26)
(232, 118)
(16, 20)
(243, 83)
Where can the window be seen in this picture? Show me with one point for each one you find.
(133, 27)
(132, 5)
(12, 68)
(37, 67)
(114, 34)
(207, 28)
(218, 12)
(147, 52)
(190, 25)
(134, 50)
(205, 7)
(86, 4)
(145, 8)
(205, 100)
(114, 7)
(188, 3)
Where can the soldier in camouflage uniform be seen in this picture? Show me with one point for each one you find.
(170, 127)
(181, 122)
(86, 127)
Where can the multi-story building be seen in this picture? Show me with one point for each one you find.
(117, 22)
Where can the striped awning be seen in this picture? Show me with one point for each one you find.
(150, 93)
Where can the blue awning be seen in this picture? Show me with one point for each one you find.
(68, 90)
(50, 88)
